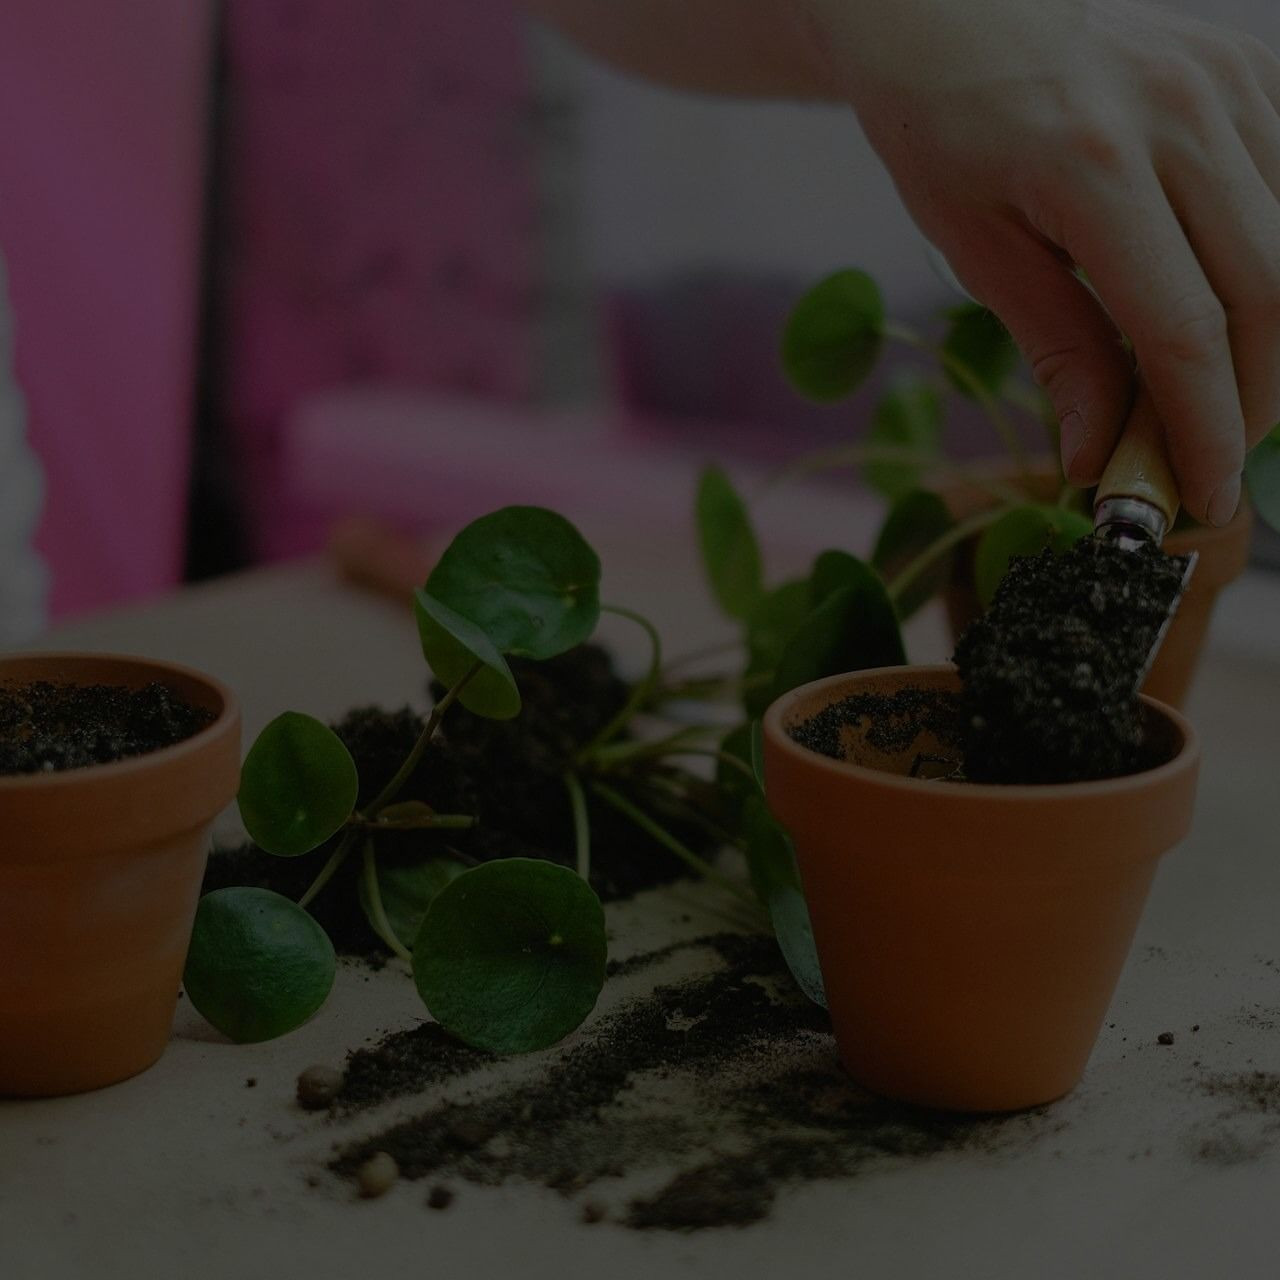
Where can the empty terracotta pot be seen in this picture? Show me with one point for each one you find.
(970, 936)
(100, 869)
(1224, 553)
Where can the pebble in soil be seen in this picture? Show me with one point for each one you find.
(509, 774)
(1051, 670)
(46, 728)
(693, 1106)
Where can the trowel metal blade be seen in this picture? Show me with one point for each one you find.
(1164, 626)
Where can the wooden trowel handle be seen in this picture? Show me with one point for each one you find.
(1139, 467)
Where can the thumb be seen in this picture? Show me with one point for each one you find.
(1075, 351)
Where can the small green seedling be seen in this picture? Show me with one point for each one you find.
(508, 955)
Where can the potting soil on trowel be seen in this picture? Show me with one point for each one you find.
(1051, 669)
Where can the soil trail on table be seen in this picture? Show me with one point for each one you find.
(690, 1107)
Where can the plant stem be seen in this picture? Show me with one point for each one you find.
(623, 752)
(669, 842)
(436, 822)
(971, 383)
(723, 757)
(640, 690)
(706, 651)
(405, 772)
(853, 455)
(373, 891)
(581, 824)
(939, 547)
(336, 859)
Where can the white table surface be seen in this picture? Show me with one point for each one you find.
(185, 1172)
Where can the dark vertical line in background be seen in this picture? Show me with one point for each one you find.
(215, 541)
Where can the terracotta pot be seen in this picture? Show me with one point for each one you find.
(100, 869)
(970, 936)
(1224, 553)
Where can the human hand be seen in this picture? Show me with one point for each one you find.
(1134, 143)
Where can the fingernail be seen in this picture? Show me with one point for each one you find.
(1073, 434)
(1225, 500)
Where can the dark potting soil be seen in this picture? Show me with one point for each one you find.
(1051, 670)
(46, 728)
(509, 774)
(892, 721)
(692, 1106)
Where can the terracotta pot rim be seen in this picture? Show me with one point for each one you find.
(226, 721)
(983, 793)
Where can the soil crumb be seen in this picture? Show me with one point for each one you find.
(690, 1107)
(46, 728)
(1051, 670)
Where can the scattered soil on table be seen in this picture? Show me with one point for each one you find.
(1248, 1126)
(46, 728)
(1051, 670)
(693, 1106)
(508, 773)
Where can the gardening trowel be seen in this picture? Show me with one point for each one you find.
(1137, 499)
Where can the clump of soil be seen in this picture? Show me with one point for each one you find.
(46, 728)
(508, 774)
(693, 1106)
(1051, 670)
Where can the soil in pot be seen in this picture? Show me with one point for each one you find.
(1050, 677)
(509, 774)
(46, 727)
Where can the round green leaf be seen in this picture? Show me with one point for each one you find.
(258, 965)
(908, 417)
(525, 577)
(914, 523)
(452, 645)
(407, 890)
(833, 336)
(298, 785)
(730, 552)
(852, 628)
(1023, 531)
(771, 859)
(977, 340)
(770, 627)
(511, 955)
(1262, 472)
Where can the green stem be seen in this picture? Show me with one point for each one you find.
(405, 772)
(939, 547)
(669, 842)
(971, 383)
(581, 824)
(327, 872)
(623, 752)
(706, 651)
(436, 822)
(640, 691)
(373, 891)
(722, 757)
(853, 455)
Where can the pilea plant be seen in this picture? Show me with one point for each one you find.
(508, 955)
(831, 344)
